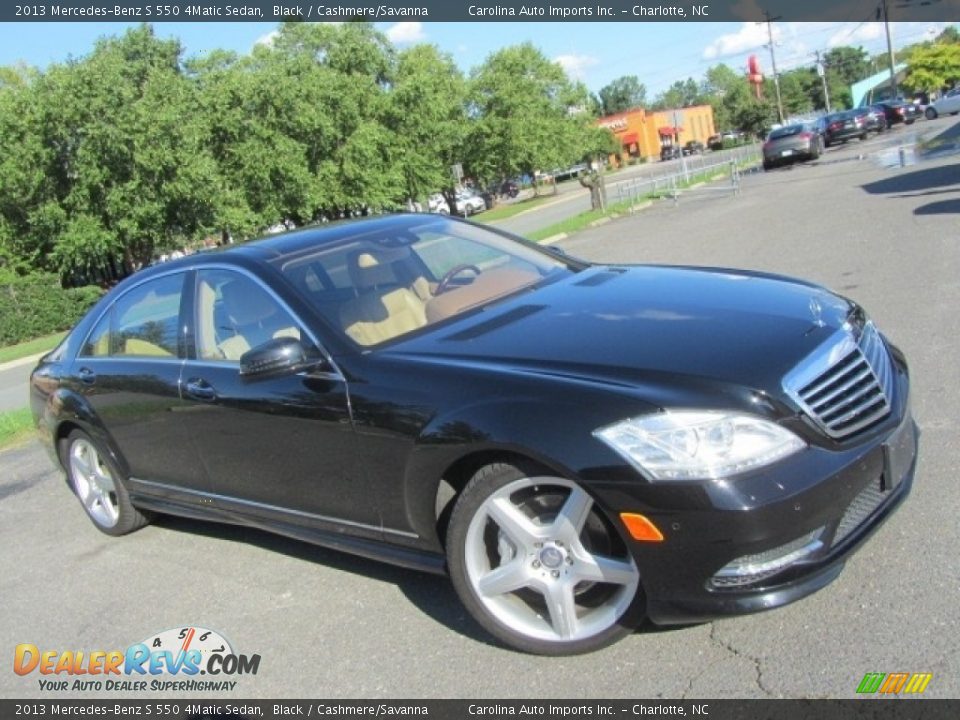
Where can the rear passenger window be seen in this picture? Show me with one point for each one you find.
(98, 342)
(146, 320)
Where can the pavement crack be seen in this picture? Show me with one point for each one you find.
(757, 665)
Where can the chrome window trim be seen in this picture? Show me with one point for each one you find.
(110, 307)
(337, 374)
(276, 508)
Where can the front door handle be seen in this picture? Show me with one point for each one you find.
(200, 389)
(87, 376)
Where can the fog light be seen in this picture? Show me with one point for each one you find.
(750, 569)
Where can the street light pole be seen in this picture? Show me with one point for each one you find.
(822, 72)
(773, 63)
(890, 58)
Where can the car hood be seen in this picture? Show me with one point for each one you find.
(639, 324)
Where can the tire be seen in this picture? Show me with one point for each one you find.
(767, 166)
(863, 137)
(522, 548)
(98, 485)
(930, 113)
(910, 122)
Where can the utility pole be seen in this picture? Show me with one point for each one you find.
(822, 72)
(773, 62)
(890, 58)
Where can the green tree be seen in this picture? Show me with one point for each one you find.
(934, 67)
(683, 93)
(526, 115)
(427, 114)
(622, 94)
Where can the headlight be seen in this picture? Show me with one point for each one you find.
(699, 444)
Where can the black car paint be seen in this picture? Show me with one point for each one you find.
(518, 378)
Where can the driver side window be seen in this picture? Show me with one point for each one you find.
(236, 314)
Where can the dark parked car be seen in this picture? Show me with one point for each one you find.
(790, 143)
(693, 147)
(843, 126)
(715, 142)
(898, 111)
(579, 446)
(670, 152)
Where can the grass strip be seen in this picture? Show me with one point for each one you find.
(30, 347)
(579, 222)
(15, 426)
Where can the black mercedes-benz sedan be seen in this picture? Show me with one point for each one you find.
(578, 446)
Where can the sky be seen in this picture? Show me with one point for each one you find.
(596, 53)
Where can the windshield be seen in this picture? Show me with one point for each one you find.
(382, 285)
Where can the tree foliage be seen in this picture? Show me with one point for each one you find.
(624, 93)
(108, 160)
(934, 67)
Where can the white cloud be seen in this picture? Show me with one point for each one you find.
(268, 38)
(406, 32)
(750, 36)
(576, 65)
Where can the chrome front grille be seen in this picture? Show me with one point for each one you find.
(845, 385)
(862, 507)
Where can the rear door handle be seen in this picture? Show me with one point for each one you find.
(87, 376)
(200, 389)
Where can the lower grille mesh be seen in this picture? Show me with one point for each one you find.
(862, 507)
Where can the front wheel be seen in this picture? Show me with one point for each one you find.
(539, 565)
(930, 113)
(98, 486)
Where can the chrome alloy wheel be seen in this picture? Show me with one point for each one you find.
(93, 483)
(535, 568)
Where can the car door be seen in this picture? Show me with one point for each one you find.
(282, 445)
(128, 370)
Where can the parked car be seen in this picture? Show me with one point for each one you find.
(790, 143)
(574, 171)
(693, 147)
(842, 126)
(948, 104)
(670, 152)
(408, 388)
(508, 188)
(437, 203)
(898, 111)
(715, 142)
(469, 203)
(876, 118)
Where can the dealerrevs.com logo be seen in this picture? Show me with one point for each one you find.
(180, 659)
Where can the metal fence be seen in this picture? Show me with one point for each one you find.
(692, 169)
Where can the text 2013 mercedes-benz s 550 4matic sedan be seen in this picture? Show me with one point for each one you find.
(579, 446)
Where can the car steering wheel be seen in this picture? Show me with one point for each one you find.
(444, 283)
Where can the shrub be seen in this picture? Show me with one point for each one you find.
(36, 305)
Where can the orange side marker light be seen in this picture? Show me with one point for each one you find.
(641, 528)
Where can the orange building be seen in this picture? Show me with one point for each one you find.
(643, 134)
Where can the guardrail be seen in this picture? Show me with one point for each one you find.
(693, 169)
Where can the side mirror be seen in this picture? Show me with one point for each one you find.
(280, 356)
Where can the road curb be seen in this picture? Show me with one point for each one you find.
(554, 238)
(32, 359)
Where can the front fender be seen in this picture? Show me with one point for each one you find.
(555, 434)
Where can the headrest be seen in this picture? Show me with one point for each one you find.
(372, 267)
(246, 305)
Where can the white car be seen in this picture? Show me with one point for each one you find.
(437, 203)
(949, 104)
(469, 202)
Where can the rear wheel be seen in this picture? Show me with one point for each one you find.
(539, 565)
(98, 486)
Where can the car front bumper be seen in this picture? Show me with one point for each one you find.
(828, 502)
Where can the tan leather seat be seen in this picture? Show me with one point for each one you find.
(380, 311)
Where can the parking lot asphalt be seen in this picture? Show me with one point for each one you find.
(330, 625)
